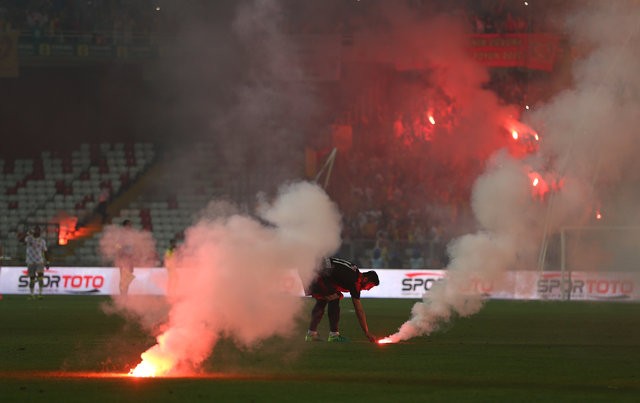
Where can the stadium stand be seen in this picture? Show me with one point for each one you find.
(165, 201)
(62, 189)
(59, 191)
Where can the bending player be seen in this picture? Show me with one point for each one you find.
(337, 276)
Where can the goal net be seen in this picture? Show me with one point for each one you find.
(599, 249)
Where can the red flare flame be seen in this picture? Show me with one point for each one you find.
(143, 370)
(386, 340)
(67, 229)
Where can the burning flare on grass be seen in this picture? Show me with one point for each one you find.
(144, 370)
(590, 142)
(156, 363)
(510, 230)
(232, 277)
(387, 340)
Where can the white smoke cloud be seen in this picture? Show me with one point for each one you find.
(122, 245)
(131, 247)
(590, 140)
(230, 273)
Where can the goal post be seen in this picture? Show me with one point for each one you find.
(597, 249)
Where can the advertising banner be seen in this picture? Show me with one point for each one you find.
(536, 51)
(615, 286)
(412, 284)
(521, 285)
(83, 281)
(533, 51)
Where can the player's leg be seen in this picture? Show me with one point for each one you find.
(126, 277)
(334, 321)
(334, 315)
(316, 316)
(32, 279)
(121, 284)
(40, 275)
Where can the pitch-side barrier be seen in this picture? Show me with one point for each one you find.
(412, 284)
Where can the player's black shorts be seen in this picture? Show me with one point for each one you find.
(321, 288)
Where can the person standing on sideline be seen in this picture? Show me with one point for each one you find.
(125, 258)
(36, 259)
(337, 276)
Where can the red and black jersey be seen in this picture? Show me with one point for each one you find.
(337, 275)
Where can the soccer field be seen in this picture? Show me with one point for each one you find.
(65, 349)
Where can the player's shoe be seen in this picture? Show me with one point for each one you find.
(312, 337)
(338, 339)
(31, 296)
(39, 297)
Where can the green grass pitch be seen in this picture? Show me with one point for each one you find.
(51, 350)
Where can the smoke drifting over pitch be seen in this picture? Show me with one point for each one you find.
(230, 77)
(234, 277)
(590, 139)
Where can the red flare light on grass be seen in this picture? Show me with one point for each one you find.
(394, 338)
(144, 370)
(153, 365)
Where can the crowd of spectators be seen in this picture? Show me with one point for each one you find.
(483, 16)
(106, 21)
(121, 20)
(500, 19)
(403, 201)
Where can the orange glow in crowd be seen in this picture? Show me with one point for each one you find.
(539, 186)
(432, 120)
(525, 139)
(67, 229)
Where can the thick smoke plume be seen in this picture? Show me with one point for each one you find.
(125, 246)
(131, 247)
(234, 272)
(589, 140)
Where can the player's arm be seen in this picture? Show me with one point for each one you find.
(45, 253)
(362, 319)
